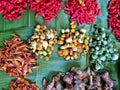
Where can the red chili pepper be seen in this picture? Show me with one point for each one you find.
(114, 17)
(46, 8)
(82, 12)
(12, 9)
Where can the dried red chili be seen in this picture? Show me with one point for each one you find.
(82, 11)
(46, 8)
(12, 9)
(16, 59)
(21, 84)
(114, 17)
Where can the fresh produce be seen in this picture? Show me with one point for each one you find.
(22, 84)
(114, 17)
(82, 11)
(12, 9)
(43, 40)
(79, 80)
(73, 42)
(46, 8)
(16, 59)
(102, 50)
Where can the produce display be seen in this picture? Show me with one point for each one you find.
(16, 59)
(79, 80)
(82, 11)
(114, 17)
(22, 84)
(43, 40)
(52, 36)
(12, 9)
(46, 8)
(73, 42)
(102, 50)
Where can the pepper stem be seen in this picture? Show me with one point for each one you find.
(81, 2)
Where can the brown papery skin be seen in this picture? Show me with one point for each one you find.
(79, 80)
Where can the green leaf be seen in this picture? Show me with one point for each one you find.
(24, 28)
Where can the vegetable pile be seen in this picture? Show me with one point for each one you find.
(80, 80)
(12, 9)
(43, 40)
(22, 84)
(102, 50)
(114, 17)
(16, 59)
(73, 42)
(82, 11)
(46, 8)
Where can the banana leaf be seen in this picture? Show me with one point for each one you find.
(24, 28)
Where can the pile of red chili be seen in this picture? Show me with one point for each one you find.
(12, 9)
(114, 17)
(82, 11)
(16, 59)
(46, 8)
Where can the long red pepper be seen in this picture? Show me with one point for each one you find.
(82, 11)
(12, 9)
(46, 8)
(114, 17)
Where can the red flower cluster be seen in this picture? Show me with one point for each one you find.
(114, 17)
(47, 8)
(82, 11)
(12, 9)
